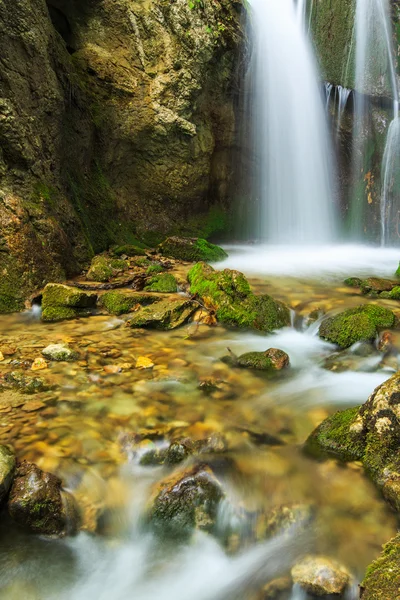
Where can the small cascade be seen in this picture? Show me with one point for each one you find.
(328, 92)
(290, 130)
(343, 96)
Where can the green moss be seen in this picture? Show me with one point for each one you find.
(382, 578)
(398, 271)
(57, 294)
(394, 294)
(63, 313)
(334, 438)
(164, 283)
(128, 250)
(154, 269)
(104, 268)
(10, 304)
(356, 324)
(119, 303)
(191, 250)
(255, 360)
(353, 281)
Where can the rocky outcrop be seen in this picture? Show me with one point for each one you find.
(116, 123)
(61, 302)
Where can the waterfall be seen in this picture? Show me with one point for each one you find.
(375, 75)
(343, 96)
(290, 131)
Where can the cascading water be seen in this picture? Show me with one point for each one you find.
(290, 132)
(375, 75)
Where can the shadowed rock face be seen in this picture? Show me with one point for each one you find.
(116, 120)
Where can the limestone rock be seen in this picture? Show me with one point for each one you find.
(229, 294)
(320, 576)
(61, 302)
(59, 352)
(36, 502)
(167, 314)
(356, 324)
(184, 502)
(7, 469)
(191, 250)
(270, 360)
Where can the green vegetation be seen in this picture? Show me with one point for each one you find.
(191, 250)
(104, 268)
(128, 250)
(61, 302)
(382, 579)
(165, 283)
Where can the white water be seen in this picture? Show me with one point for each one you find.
(343, 96)
(289, 129)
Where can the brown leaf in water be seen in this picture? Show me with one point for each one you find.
(143, 362)
(39, 364)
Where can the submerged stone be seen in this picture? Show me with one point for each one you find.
(353, 281)
(163, 283)
(7, 469)
(356, 324)
(36, 502)
(167, 314)
(24, 383)
(103, 268)
(184, 502)
(59, 352)
(270, 360)
(321, 576)
(376, 284)
(229, 294)
(62, 302)
(191, 250)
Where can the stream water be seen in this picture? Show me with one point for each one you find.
(79, 428)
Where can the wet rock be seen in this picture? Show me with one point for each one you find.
(62, 302)
(120, 303)
(177, 452)
(59, 352)
(183, 502)
(382, 579)
(164, 283)
(25, 384)
(128, 250)
(191, 250)
(270, 360)
(103, 268)
(282, 519)
(167, 314)
(386, 343)
(394, 293)
(7, 469)
(320, 576)
(356, 324)
(38, 503)
(376, 284)
(353, 281)
(228, 293)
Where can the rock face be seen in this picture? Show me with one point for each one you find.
(371, 434)
(356, 324)
(117, 121)
(7, 469)
(321, 577)
(228, 293)
(382, 579)
(36, 502)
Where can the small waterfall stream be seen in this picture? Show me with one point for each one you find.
(290, 131)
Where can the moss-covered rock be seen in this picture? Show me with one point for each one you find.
(163, 283)
(376, 284)
(356, 324)
(60, 302)
(10, 304)
(24, 383)
(353, 281)
(123, 302)
(103, 268)
(184, 502)
(397, 273)
(191, 250)
(270, 360)
(229, 293)
(7, 469)
(59, 352)
(128, 250)
(167, 314)
(36, 502)
(382, 579)
(154, 269)
(321, 576)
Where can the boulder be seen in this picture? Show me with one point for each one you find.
(164, 283)
(122, 302)
(59, 352)
(382, 579)
(37, 502)
(7, 469)
(356, 324)
(271, 360)
(191, 250)
(151, 454)
(61, 302)
(228, 293)
(321, 576)
(371, 434)
(353, 281)
(103, 268)
(376, 284)
(128, 250)
(167, 314)
(183, 502)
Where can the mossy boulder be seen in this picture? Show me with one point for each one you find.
(353, 281)
(191, 250)
(376, 284)
(370, 434)
(7, 469)
(167, 314)
(103, 268)
(356, 324)
(59, 352)
(128, 250)
(24, 383)
(382, 579)
(394, 293)
(183, 502)
(271, 360)
(229, 294)
(36, 502)
(62, 302)
(120, 303)
(163, 283)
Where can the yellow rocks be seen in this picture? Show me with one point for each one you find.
(1, 356)
(38, 364)
(143, 362)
